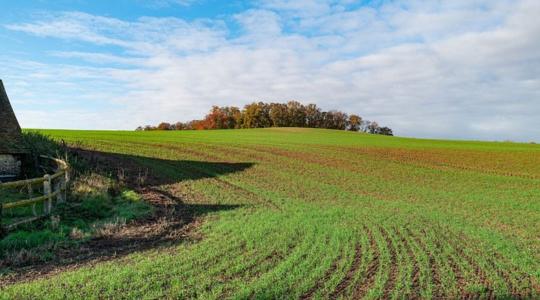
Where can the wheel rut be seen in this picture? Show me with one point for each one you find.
(320, 283)
(415, 274)
(370, 275)
(349, 276)
(394, 268)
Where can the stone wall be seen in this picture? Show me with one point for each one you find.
(10, 166)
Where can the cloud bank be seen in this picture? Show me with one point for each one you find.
(444, 69)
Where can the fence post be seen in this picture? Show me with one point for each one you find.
(30, 196)
(66, 182)
(47, 206)
(58, 187)
(67, 175)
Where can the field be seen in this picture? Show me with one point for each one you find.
(305, 213)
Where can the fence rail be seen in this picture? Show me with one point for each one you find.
(54, 187)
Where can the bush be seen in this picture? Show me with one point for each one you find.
(38, 144)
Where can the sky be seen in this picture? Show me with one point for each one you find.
(460, 69)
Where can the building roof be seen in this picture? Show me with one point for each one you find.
(11, 141)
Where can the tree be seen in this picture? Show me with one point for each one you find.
(237, 117)
(256, 115)
(216, 119)
(232, 116)
(340, 120)
(226, 117)
(164, 126)
(279, 115)
(197, 125)
(364, 126)
(179, 126)
(296, 114)
(313, 116)
(385, 131)
(290, 114)
(355, 122)
(373, 127)
(189, 125)
(335, 120)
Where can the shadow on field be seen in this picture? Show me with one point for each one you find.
(139, 170)
(172, 223)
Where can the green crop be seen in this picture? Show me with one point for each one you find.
(306, 213)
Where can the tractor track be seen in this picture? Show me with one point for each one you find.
(349, 276)
(370, 275)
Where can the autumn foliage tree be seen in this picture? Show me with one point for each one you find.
(215, 119)
(314, 116)
(355, 121)
(164, 126)
(334, 119)
(256, 115)
(279, 115)
(296, 114)
(261, 115)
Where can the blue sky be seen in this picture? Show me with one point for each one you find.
(438, 69)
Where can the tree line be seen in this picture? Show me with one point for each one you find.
(261, 115)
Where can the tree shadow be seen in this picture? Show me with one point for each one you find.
(139, 170)
(173, 222)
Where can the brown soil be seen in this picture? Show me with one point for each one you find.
(503, 274)
(371, 273)
(320, 283)
(393, 272)
(434, 266)
(415, 275)
(346, 281)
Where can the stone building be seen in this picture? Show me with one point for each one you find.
(12, 149)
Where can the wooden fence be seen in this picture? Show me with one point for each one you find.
(54, 187)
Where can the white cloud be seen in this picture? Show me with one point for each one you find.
(460, 69)
(260, 23)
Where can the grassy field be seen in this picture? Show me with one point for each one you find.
(304, 213)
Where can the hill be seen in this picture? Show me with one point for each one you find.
(312, 213)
